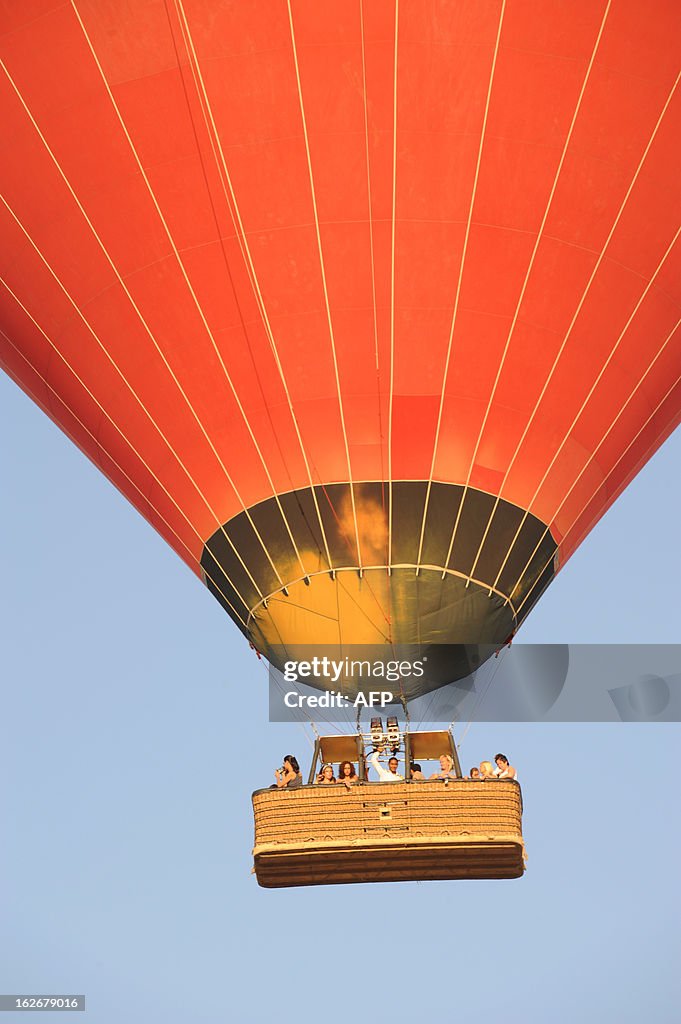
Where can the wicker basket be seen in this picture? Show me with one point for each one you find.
(392, 831)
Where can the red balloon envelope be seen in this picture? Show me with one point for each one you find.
(371, 308)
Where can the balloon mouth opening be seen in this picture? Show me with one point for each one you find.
(384, 619)
(418, 563)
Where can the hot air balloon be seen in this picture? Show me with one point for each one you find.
(371, 309)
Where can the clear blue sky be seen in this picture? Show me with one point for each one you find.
(134, 727)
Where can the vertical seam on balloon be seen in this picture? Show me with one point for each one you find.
(392, 300)
(387, 617)
(236, 297)
(591, 459)
(530, 266)
(587, 288)
(125, 438)
(323, 275)
(457, 297)
(245, 249)
(586, 400)
(190, 288)
(368, 165)
(371, 236)
(113, 362)
(651, 448)
(262, 459)
(338, 616)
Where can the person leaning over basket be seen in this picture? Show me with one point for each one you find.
(347, 774)
(290, 776)
(446, 768)
(504, 770)
(486, 770)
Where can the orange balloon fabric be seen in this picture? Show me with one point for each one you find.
(371, 308)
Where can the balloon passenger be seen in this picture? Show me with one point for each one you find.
(486, 770)
(326, 776)
(446, 768)
(391, 775)
(290, 775)
(474, 773)
(504, 770)
(416, 773)
(347, 774)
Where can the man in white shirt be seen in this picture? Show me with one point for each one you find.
(389, 775)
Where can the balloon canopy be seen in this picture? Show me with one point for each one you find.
(370, 308)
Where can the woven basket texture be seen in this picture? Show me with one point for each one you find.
(316, 814)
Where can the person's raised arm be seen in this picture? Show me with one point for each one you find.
(382, 773)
